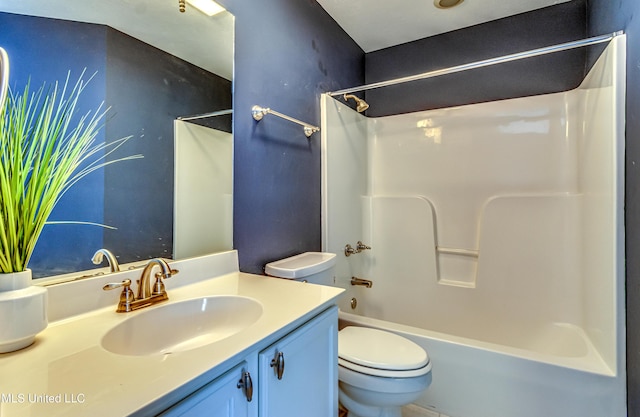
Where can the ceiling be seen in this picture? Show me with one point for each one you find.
(192, 36)
(378, 24)
(373, 24)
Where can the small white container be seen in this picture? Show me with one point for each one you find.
(23, 309)
(313, 267)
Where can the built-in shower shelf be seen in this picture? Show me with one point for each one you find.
(455, 251)
(456, 267)
(457, 283)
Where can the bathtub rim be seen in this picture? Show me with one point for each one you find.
(591, 363)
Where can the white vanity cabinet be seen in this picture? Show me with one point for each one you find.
(225, 396)
(295, 376)
(298, 375)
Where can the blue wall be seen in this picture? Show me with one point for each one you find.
(288, 52)
(44, 51)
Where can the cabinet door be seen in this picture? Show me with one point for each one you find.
(298, 375)
(225, 396)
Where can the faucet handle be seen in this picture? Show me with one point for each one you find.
(126, 296)
(349, 250)
(361, 246)
(158, 286)
(113, 285)
(162, 275)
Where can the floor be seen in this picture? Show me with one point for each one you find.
(407, 411)
(412, 410)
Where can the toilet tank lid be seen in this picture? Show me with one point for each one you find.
(302, 265)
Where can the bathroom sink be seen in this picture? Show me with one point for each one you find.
(182, 325)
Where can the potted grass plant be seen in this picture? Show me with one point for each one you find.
(45, 148)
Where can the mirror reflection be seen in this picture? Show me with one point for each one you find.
(152, 65)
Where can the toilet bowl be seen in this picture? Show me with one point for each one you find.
(379, 372)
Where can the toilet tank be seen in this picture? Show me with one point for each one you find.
(313, 267)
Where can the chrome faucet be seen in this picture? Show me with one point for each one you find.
(146, 296)
(99, 256)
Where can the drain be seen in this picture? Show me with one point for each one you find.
(354, 303)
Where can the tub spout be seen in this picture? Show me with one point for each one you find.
(362, 282)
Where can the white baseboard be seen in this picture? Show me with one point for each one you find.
(413, 410)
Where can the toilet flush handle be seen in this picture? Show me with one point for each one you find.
(277, 363)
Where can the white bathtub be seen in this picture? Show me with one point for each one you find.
(472, 378)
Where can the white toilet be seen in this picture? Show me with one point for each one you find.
(378, 371)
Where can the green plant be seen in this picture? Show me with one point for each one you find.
(45, 148)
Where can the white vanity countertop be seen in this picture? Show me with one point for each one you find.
(66, 372)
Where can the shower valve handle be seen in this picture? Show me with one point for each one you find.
(361, 246)
(350, 250)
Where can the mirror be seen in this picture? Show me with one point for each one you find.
(152, 65)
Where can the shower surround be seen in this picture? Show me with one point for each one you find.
(497, 243)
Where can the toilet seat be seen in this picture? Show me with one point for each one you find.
(380, 353)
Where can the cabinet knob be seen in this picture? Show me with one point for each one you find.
(277, 363)
(246, 385)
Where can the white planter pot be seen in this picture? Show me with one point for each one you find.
(23, 311)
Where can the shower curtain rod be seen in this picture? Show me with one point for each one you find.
(204, 115)
(484, 63)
